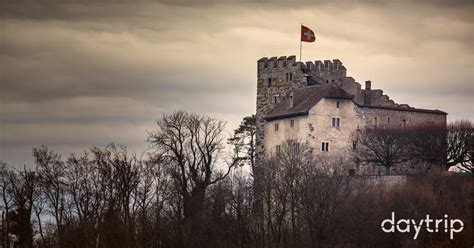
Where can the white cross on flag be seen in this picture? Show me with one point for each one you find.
(307, 35)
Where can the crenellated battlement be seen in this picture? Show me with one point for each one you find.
(328, 66)
(275, 62)
(290, 61)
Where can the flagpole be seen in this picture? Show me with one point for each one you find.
(300, 40)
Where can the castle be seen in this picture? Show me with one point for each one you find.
(316, 103)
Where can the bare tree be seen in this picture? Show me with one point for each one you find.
(381, 146)
(426, 143)
(441, 145)
(460, 145)
(6, 192)
(191, 145)
(24, 184)
(322, 193)
(50, 169)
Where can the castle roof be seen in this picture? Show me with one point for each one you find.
(304, 99)
(410, 109)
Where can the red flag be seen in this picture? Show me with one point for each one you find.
(307, 35)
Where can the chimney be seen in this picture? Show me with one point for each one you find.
(367, 93)
(291, 99)
(368, 85)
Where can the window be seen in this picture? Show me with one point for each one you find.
(336, 122)
(278, 150)
(325, 146)
(292, 123)
(275, 99)
(338, 104)
(287, 76)
(269, 82)
(291, 76)
(276, 127)
(375, 121)
(295, 147)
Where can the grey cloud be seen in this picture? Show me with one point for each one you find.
(76, 74)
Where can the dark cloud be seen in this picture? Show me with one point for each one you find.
(83, 73)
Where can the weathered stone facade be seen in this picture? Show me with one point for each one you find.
(316, 103)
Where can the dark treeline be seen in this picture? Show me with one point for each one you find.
(188, 191)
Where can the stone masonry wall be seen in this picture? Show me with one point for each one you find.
(369, 108)
(278, 68)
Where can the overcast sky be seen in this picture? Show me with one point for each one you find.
(76, 75)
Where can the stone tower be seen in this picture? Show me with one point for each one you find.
(277, 76)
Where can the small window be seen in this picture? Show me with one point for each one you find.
(325, 146)
(276, 127)
(291, 76)
(295, 147)
(338, 104)
(278, 150)
(292, 123)
(287, 76)
(275, 99)
(375, 121)
(336, 122)
(269, 82)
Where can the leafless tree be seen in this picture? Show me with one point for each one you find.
(442, 146)
(191, 145)
(381, 146)
(323, 193)
(6, 192)
(460, 145)
(50, 169)
(426, 143)
(24, 183)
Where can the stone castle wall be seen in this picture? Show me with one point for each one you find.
(369, 108)
(302, 74)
